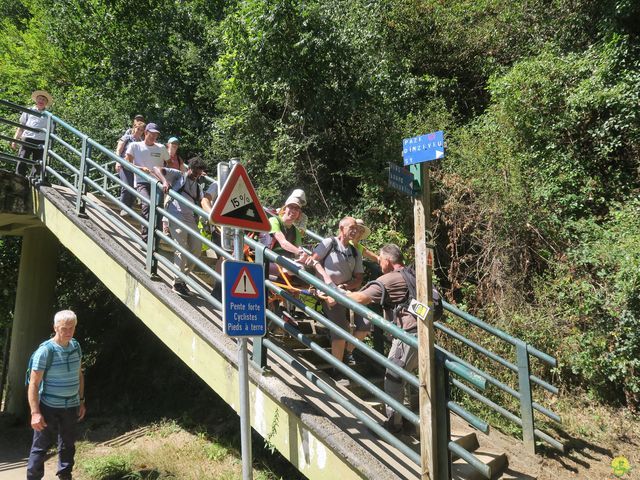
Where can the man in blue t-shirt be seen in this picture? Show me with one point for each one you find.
(56, 397)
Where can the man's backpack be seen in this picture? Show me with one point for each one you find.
(409, 276)
(50, 354)
(334, 246)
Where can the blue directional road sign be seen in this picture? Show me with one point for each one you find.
(243, 299)
(424, 148)
(400, 179)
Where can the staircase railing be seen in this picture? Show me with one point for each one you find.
(81, 164)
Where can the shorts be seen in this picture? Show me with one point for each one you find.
(362, 324)
(339, 315)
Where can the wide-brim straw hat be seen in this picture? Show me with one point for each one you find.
(43, 93)
(367, 230)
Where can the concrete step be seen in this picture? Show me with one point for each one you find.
(496, 461)
(467, 440)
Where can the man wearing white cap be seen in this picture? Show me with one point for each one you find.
(34, 140)
(145, 155)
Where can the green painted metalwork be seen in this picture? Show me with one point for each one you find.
(443, 434)
(259, 352)
(465, 373)
(526, 408)
(81, 186)
(107, 183)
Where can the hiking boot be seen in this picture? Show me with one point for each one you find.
(339, 377)
(181, 289)
(391, 427)
(349, 359)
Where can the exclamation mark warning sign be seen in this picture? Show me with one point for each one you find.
(244, 286)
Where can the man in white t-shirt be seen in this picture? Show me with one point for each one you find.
(32, 140)
(145, 155)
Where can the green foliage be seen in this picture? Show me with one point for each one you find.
(272, 432)
(109, 467)
(9, 262)
(604, 294)
(535, 204)
(28, 61)
(215, 452)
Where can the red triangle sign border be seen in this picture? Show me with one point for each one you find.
(216, 216)
(243, 271)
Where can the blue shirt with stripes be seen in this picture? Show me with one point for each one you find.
(61, 382)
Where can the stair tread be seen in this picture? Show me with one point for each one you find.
(467, 440)
(495, 460)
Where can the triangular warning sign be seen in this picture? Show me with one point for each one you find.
(244, 286)
(238, 205)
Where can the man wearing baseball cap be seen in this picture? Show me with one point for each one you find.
(145, 155)
(31, 143)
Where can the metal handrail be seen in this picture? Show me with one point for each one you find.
(477, 377)
(20, 108)
(11, 123)
(548, 359)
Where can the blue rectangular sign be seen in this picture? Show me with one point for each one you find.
(400, 179)
(424, 148)
(243, 299)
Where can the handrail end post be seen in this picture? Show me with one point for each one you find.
(259, 353)
(81, 186)
(45, 152)
(526, 400)
(155, 199)
(442, 414)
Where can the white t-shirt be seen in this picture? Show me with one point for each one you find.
(341, 263)
(147, 156)
(35, 122)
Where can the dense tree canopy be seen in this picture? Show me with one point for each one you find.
(536, 202)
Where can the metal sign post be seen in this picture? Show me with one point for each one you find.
(243, 298)
(416, 151)
(243, 301)
(243, 378)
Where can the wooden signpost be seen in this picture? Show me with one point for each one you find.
(417, 151)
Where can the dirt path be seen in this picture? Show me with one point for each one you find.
(584, 461)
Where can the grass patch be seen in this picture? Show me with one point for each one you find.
(167, 451)
(109, 467)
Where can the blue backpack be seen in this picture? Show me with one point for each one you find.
(50, 353)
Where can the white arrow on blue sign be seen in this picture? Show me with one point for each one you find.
(424, 148)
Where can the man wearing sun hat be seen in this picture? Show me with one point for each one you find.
(34, 141)
(145, 155)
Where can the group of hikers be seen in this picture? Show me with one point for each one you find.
(336, 260)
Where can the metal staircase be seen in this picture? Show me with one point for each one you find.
(317, 424)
